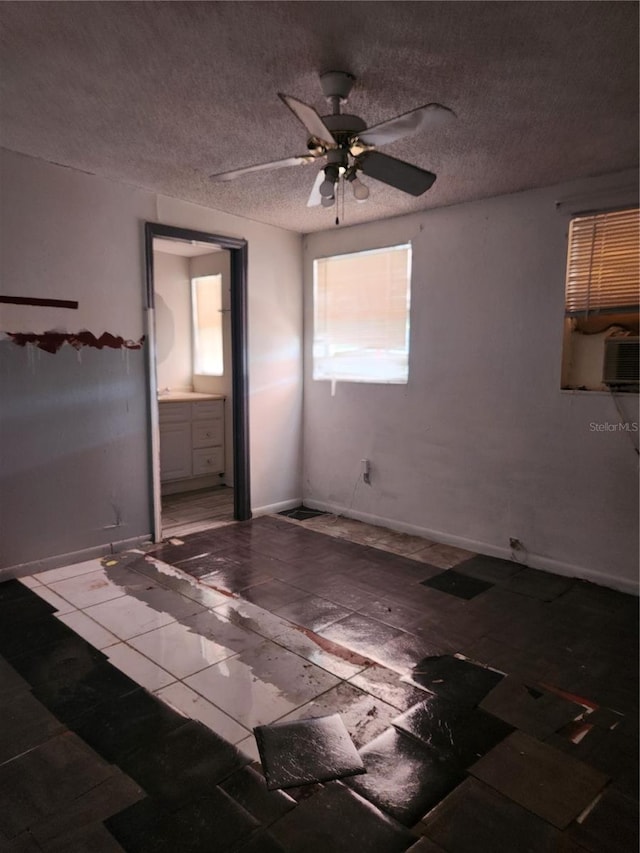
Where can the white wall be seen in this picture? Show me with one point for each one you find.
(173, 321)
(69, 235)
(481, 445)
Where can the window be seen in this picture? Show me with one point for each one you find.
(206, 304)
(361, 316)
(602, 300)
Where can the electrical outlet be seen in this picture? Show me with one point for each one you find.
(366, 471)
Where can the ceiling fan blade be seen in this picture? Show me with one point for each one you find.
(263, 167)
(403, 176)
(315, 198)
(431, 115)
(310, 119)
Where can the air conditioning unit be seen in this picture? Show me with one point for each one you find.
(621, 362)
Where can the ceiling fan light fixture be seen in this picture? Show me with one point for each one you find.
(331, 174)
(360, 190)
(328, 200)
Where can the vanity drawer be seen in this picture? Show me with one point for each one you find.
(207, 433)
(208, 461)
(208, 410)
(172, 413)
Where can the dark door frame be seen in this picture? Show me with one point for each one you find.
(238, 250)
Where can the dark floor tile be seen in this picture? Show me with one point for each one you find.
(248, 788)
(455, 679)
(23, 843)
(360, 634)
(537, 584)
(273, 594)
(210, 821)
(611, 826)
(457, 733)
(123, 724)
(24, 723)
(93, 838)
(183, 763)
(40, 782)
(405, 651)
(540, 778)
(491, 569)
(425, 845)
(116, 793)
(312, 612)
(532, 710)
(404, 778)
(13, 592)
(70, 678)
(476, 819)
(455, 583)
(260, 842)
(337, 820)
(391, 613)
(306, 751)
(28, 632)
(11, 682)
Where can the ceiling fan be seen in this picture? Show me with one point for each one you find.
(349, 146)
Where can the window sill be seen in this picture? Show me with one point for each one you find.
(590, 393)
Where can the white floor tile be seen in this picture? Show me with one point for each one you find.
(261, 684)
(87, 589)
(29, 581)
(186, 647)
(60, 604)
(250, 748)
(127, 616)
(137, 666)
(89, 630)
(53, 575)
(188, 702)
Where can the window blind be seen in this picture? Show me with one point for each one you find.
(361, 316)
(603, 264)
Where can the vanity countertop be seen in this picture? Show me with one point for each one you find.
(186, 396)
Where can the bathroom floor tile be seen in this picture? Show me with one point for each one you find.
(261, 684)
(540, 778)
(455, 679)
(182, 764)
(195, 707)
(476, 819)
(312, 612)
(455, 583)
(385, 684)
(192, 644)
(211, 821)
(88, 629)
(248, 788)
(133, 616)
(337, 820)
(306, 750)
(403, 777)
(532, 710)
(458, 733)
(363, 715)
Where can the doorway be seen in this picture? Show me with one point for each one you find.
(196, 243)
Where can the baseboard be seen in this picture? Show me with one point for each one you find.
(23, 569)
(270, 509)
(535, 561)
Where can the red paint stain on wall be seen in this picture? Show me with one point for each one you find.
(52, 341)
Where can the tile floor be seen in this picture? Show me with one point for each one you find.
(190, 512)
(137, 679)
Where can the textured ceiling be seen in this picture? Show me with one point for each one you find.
(161, 95)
